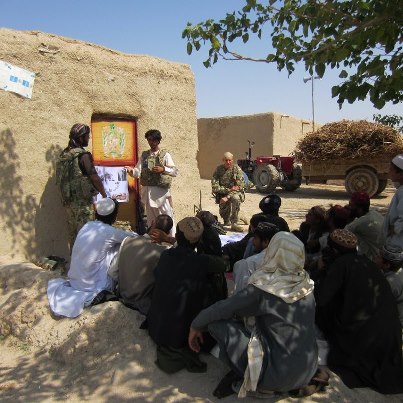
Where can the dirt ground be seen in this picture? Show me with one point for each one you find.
(103, 356)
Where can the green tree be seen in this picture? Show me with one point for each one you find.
(394, 121)
(361, 38)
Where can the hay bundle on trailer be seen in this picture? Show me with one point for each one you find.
(349, 139)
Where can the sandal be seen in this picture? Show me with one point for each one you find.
(224, 388)
(317, 384)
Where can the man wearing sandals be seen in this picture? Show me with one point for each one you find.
(273, 348)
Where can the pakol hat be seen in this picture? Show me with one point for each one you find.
(344, 238)
(392, 254)
(398, 161)
(105, 206)
(192, 228)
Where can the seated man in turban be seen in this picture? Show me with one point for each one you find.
(367, 225)
(358, 316)
(182, 289)
(270, 206)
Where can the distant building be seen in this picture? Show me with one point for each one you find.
(273, 133)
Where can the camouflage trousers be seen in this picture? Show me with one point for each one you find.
(229, 211)
(78, 213)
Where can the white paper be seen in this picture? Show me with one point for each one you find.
(115, 183)
(16, 79)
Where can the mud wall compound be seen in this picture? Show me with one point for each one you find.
(75, 81)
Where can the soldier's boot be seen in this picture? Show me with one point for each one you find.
(236, 227)
(242, 219)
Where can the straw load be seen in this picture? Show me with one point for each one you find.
(349, 139)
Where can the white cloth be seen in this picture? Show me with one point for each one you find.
(95, 247)
(244, 268)
(157, 199)
(393, 222)
(282, 270)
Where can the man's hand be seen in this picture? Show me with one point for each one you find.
(195, 339)
(223, 200)
(158, 169)
(158, 236)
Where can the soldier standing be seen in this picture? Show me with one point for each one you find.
(78, 180)
(228, 185)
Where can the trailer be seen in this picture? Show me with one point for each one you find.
(360, 175)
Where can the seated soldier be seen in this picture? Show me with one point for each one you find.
(136, 262)
(390, 261)
(367, 225)
(244, 268)
(94, 252)
(270, 206)
(357, 313)
(181, 291)
(234, 251)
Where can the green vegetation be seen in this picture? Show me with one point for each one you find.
(361, 38)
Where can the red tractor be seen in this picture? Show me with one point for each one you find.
(267, 173)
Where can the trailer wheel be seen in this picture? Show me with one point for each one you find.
(296, 179)
(266, 178)
(382, 186)
(362, 180)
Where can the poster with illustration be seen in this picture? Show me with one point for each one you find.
(115, 182)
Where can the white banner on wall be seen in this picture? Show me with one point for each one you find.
(115, 182)
(16, 79)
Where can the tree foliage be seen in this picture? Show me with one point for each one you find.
(361, 38)
(394, 121)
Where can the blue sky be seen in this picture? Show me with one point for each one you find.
(154, 28)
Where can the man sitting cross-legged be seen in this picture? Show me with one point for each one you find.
(94, 253)
(137, 260)
(182, 289)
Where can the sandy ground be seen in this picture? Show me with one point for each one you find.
(103, 356)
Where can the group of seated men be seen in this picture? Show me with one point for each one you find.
(325, 283)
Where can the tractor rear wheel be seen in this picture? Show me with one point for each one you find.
(266, 178)
(362, 180)
(295, 179)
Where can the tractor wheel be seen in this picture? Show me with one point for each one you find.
(266, 178)
(362, 180)
(382, 186)
(295, 180)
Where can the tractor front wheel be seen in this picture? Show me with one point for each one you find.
(295, 180)
(266, 178)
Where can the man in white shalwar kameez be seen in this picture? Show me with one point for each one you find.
(155, 169)
(93, 256)
(393, 223)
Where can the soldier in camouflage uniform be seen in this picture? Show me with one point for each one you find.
(228, 185)
(81, 183)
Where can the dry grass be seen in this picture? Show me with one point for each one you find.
(349, 139)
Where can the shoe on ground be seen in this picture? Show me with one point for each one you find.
(236, 228)
(226, 224)
(242, 219)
